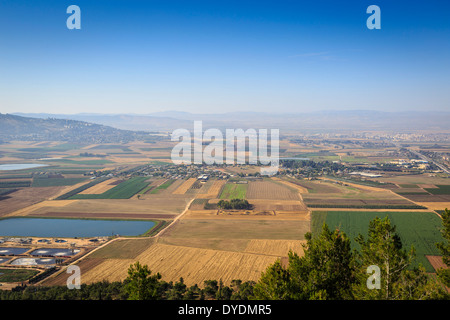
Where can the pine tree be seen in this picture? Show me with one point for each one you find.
(398, 280)
(140, 284)
(444, 248)
(326, 270)
(273, 284)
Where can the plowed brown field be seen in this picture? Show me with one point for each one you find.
(270, 190)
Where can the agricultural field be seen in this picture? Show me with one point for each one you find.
(415, 179)
(270, 190)
(123, 249)
(25, 197)
(55, 182)
(162, 187)
(203, 242)
(439, 190)
(158, 208)
(101, 187)
(234, 191)
(420, 229)
(16, 275)
(278, 206)
(124, 190)
(213, 191)
(432, 196)
(274, 247)
(233, 228)
(185, 186)
(328, 194)
(195, 265)
(14, 183)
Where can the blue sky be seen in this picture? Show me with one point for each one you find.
(216, 56)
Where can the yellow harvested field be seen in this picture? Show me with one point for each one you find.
(291, 185)
(64, 190)
(267, 189)
(195, 265)
(44, 204)
(279, 205)
(213, 191)
(128, 159)
(427, 186)
(435, 205)
(185, 186)
(132, 208)
(89, 146)
(357, 186)
(275, 247)
(100, 187)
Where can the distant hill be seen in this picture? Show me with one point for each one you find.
(314, 121)
(120, 121)
(14, 127)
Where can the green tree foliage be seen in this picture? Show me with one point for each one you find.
(330, 270)
(242, 290)
(236, 204)
(444, 248)
(141, 284)
(325, 271)
(274, 283)
(383, 248)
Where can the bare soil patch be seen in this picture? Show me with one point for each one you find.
(436, 262)
(270, 190)
(26, 197)
(185, 186)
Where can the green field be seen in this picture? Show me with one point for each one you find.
(420, 229)
(81, 188)
(163, 186)
(59, 148)
(441, 189)
(4, 192)
(234, 191)
(16, 275)
(15, 184)
(56, 182)
(83, 162)
(124, 190)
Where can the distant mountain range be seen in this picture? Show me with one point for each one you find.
(321, 121)
(14, 127)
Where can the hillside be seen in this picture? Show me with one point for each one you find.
(13, 127)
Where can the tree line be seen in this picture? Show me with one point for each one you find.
(234, 204)
(328, 270)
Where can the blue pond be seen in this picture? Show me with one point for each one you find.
(20, 166)
(70, 228)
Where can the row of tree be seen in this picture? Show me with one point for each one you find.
(236, 204)
(329, 269)
(141, 284)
